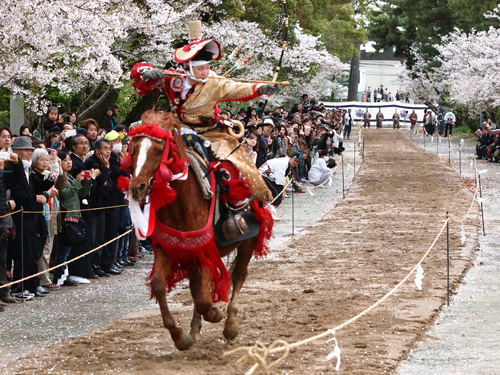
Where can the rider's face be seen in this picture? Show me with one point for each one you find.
(201, 71)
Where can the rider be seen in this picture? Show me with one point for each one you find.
(194, 93)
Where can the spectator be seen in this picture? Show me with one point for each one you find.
(99, 198)
(46, 167)
(90, 125)
(51, 120)
(72, 119)
(108, 122)
(6, 205)
(71, 189)
(320, 172)
(449, 121)
(5, 138)
(31, 193)
(347, 124)
(78, 147)
(274, 172)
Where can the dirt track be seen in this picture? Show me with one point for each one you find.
(355, 254)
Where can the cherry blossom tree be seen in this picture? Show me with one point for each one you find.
(89, 45)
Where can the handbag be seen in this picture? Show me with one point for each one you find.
(74, 232)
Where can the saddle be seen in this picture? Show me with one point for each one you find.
(233, 221)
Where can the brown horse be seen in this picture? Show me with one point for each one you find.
(187, 212)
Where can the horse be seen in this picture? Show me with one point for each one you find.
(161, 174)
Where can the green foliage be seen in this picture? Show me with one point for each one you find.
(423, 24)
(334, 20)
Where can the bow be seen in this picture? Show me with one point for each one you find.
(283, 47)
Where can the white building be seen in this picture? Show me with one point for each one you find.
(376, 69)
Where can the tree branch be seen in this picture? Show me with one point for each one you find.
(98, 102)
(89, 99)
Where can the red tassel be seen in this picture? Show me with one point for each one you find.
(123, 183)
(161, 195)
(204, 257)
(264, 217)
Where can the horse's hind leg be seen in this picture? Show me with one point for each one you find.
(163, 267)
(201, 290)
(195, 332)
(238, 276)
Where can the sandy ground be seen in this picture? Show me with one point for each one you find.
(350, 258)
(464, 339)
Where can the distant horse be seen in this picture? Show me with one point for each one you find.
(180, 224)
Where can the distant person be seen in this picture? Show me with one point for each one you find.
(380, 118)
(366, 119)
(449, 121)
(395, 120)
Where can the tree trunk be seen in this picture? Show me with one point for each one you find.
(83, 107)
(352, 94)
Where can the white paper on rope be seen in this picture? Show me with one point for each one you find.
(310, 192)
(482, 171)
(480, 200)
(432, 139)
(419, 275)
(472, 164)
(440, 139)
(349, 166)
(462, 233)
(462, 142)
(330, 181)
(335, 353)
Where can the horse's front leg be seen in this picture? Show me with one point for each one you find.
(163, 267)
(238, 277)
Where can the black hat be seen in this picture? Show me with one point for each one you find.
(296, 154)
(203, 55)
(82, 131)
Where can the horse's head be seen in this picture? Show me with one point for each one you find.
(153, 160)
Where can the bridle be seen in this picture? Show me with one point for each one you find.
(159, 191)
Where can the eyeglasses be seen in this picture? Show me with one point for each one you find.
(86, 143)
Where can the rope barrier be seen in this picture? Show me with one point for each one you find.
(257, 355)
(10, 214)
(65, 263)
(80, 210)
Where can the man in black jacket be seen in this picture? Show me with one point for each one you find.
(31, 228)
(99, 198)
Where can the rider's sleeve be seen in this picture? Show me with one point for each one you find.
(229, 90)
(142, 86)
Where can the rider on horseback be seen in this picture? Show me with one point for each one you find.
(195, 95)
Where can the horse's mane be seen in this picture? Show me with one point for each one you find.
(167, 121)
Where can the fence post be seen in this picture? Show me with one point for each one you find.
(22, 252)
(447, 259)
(449, 150)
(343, 189)
(480, 197)
(293, 212)
(363, 149)
(354, 162)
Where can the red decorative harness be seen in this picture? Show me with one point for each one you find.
(185, 249)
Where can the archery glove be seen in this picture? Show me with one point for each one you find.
(153, 74)
(268, 89)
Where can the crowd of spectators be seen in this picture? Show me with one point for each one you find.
(66, 184)
(488, 142)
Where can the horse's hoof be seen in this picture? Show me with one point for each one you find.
(230, 334)
(214, 316)
(196, 337)
(184, 343)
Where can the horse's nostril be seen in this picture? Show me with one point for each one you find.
(141, 187)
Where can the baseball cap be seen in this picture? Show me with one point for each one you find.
(113, 134)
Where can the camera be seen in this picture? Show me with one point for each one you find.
(86, 174)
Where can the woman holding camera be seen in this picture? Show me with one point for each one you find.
(71, 189)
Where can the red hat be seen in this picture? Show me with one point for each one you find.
(196, 45)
